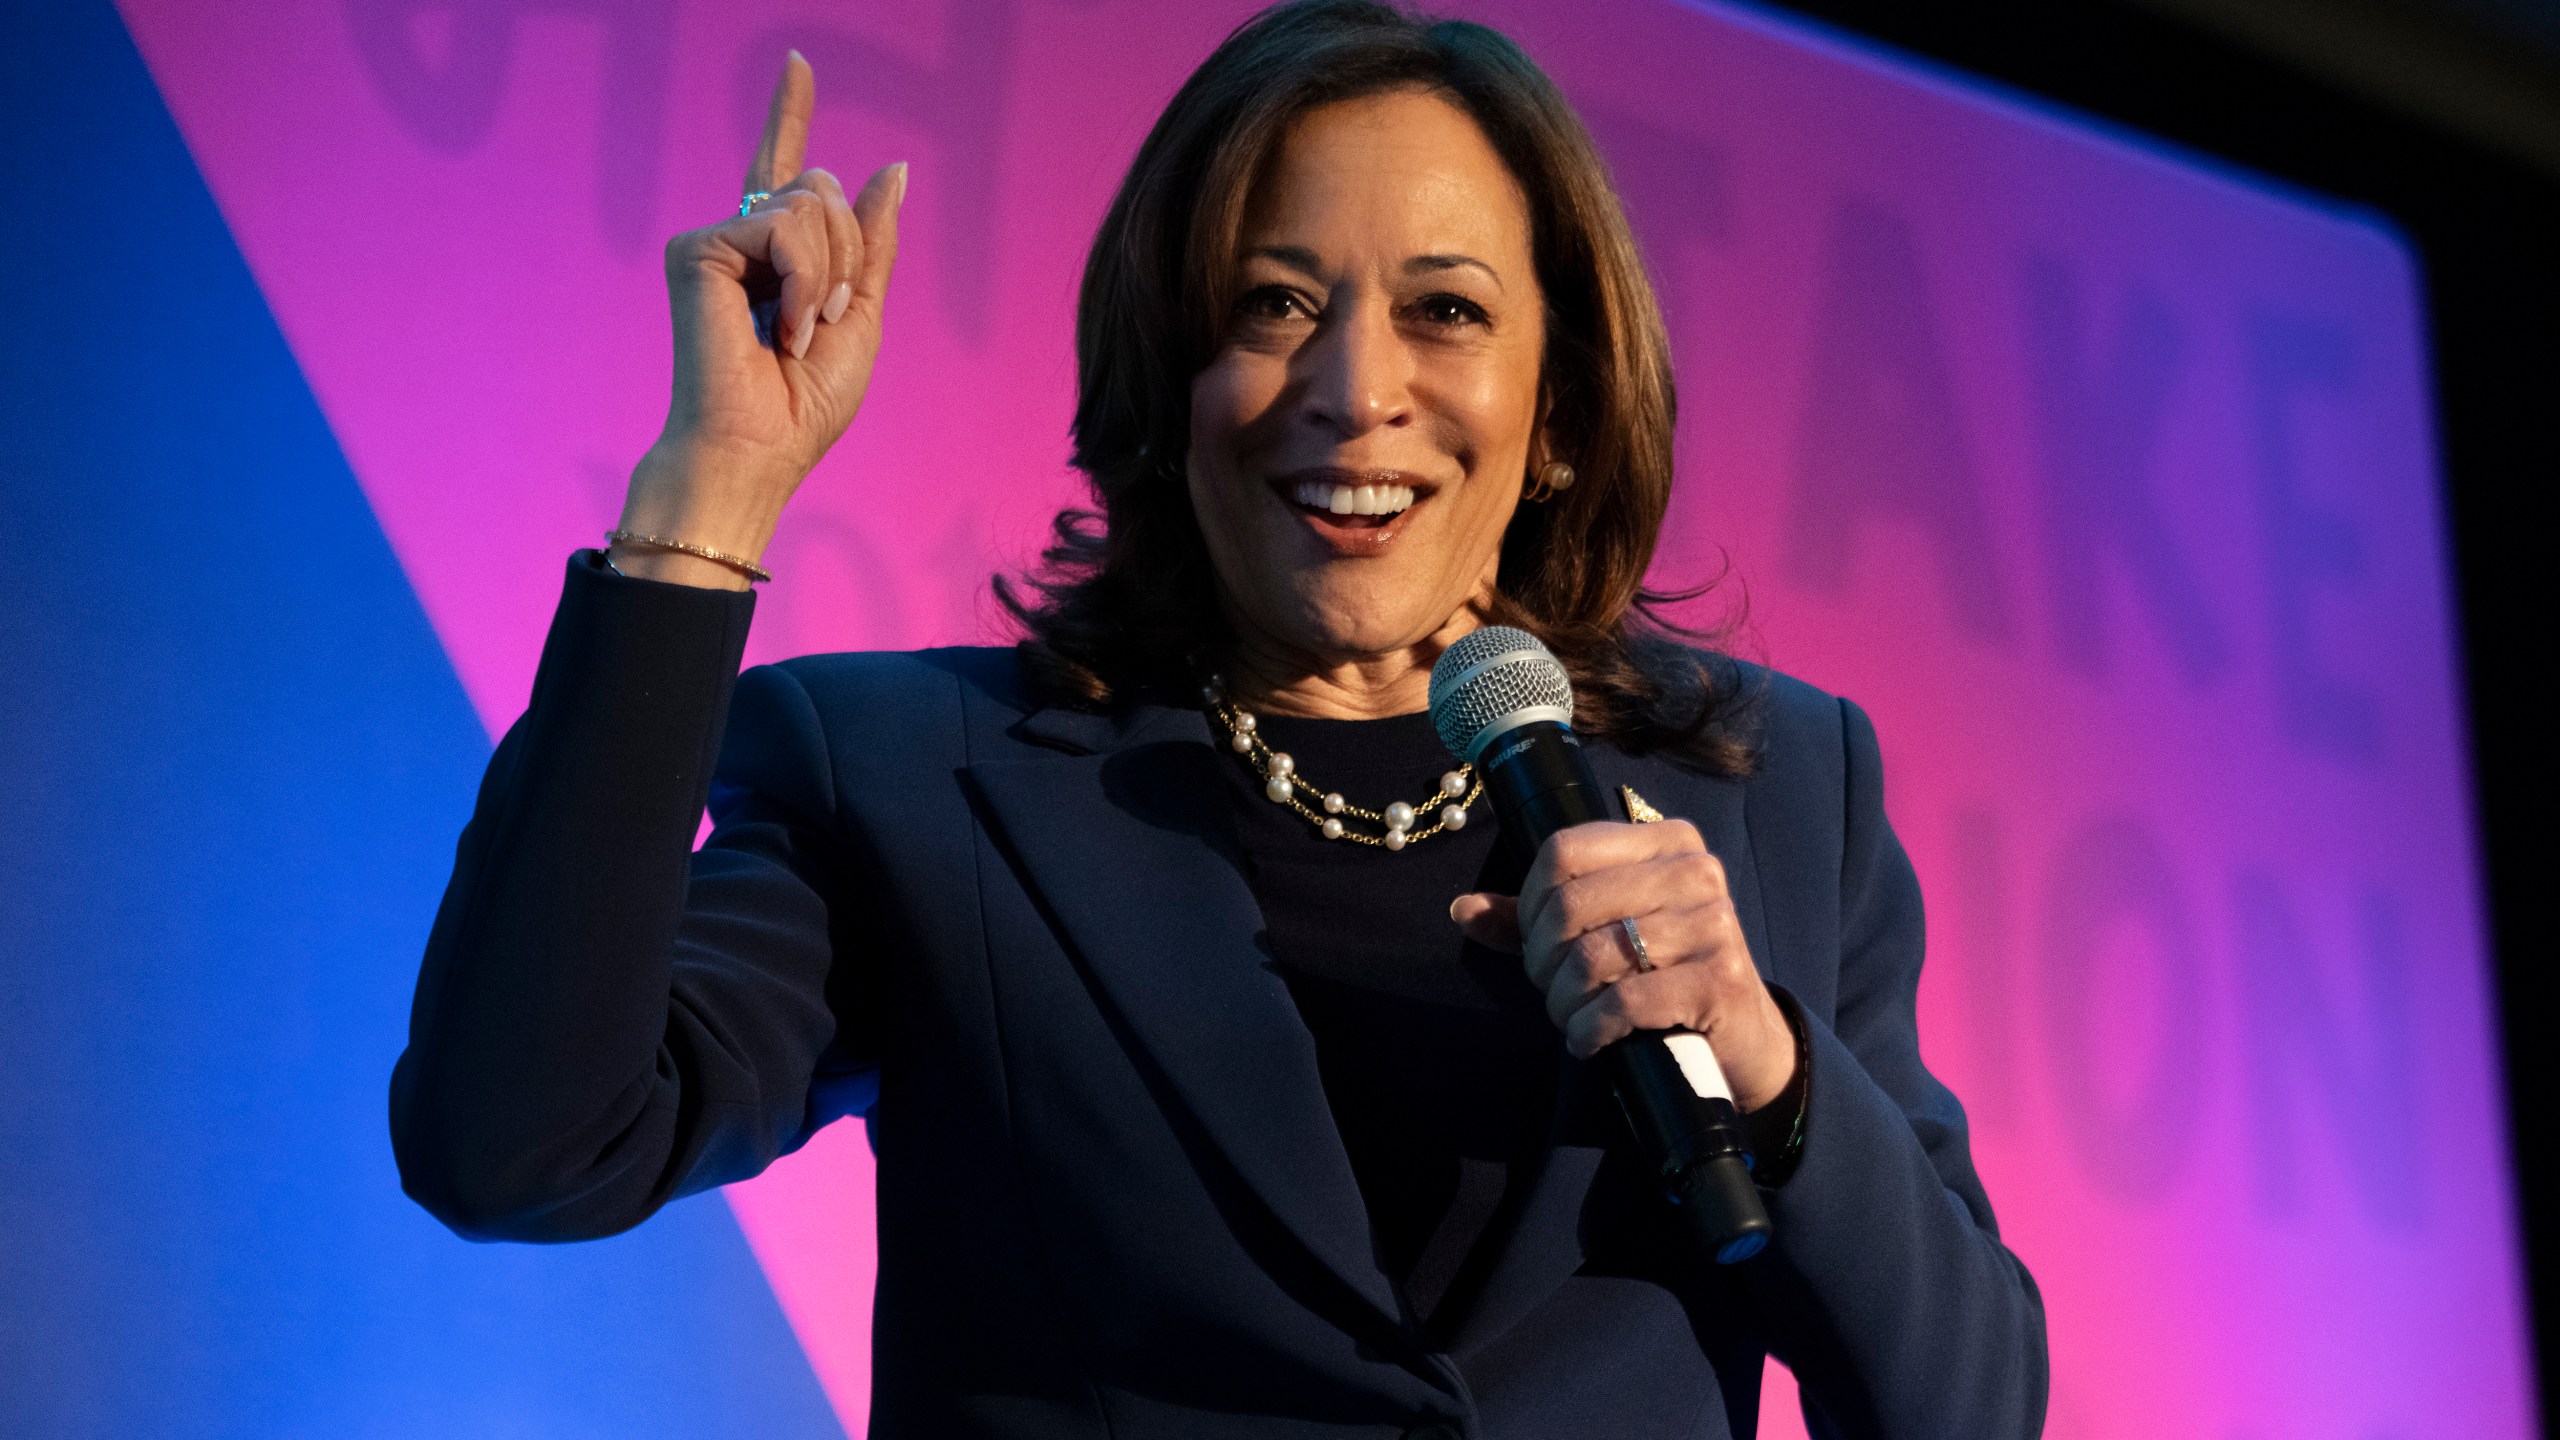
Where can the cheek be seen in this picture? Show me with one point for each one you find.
(1495, 404)
(1491, 403)
(1228, 399)
(1213, 403)
(1223, 407)
(1495, 414)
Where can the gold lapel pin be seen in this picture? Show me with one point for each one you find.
(1637, 810)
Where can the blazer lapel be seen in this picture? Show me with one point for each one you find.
(1132, 851)
(1544, 1247)
(1713, 805)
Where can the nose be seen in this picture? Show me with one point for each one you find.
(1356, 372)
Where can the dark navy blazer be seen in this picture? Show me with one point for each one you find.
(1112, 1201)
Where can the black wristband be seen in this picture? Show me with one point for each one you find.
(1776, 1130)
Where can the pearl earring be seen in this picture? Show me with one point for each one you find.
(1553, 479)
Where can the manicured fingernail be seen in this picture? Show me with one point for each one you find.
(801, 332)
(837, 299)
(1453, 909)
(902, 183)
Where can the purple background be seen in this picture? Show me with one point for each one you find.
(2101, 475)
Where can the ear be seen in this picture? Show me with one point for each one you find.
(1546, 478)
(1542, 448)
(1542, 439)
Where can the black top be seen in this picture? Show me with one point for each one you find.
(1439, 1062)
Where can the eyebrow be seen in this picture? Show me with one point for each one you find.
(1426, 263)
(1296, 257)
(1304, 261)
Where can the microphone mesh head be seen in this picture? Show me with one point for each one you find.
(1491, 681)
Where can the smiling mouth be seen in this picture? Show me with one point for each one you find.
(1359, 507)
(1371, 502)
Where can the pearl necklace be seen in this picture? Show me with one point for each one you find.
(1283, 785)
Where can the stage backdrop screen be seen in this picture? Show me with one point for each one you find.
(2103, 475)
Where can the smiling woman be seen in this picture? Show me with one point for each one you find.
(1393, 252)
(1213, 1099)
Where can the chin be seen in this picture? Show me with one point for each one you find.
(1358, 621)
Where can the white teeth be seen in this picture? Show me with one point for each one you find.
(1354, 499)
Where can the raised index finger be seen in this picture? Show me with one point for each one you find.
(786, 127)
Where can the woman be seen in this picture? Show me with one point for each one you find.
(1219, 1090)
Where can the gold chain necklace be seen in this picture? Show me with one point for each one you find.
(1459, 790)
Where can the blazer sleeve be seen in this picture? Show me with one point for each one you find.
(606, 1020)
(1886, 1286)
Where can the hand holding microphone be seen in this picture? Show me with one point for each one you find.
(1671, 1001)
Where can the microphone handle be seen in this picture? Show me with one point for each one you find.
(1683, 1114)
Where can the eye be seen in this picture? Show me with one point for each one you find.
(1444, 308)
(1273, 302)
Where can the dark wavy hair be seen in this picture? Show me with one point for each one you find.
(1124, 603)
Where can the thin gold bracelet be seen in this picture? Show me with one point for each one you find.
(748, 568)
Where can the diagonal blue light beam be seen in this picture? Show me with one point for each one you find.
(235, 760)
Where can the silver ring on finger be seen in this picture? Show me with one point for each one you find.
(1635, 942)
(747, 202)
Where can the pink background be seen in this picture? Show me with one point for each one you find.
(2101, 475)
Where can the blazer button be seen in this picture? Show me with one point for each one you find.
(1433, 1430)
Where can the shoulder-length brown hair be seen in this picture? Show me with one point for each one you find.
(1125, 602)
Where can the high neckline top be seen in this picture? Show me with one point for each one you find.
(1438, 1060)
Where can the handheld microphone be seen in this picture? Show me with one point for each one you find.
(1501, 702)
